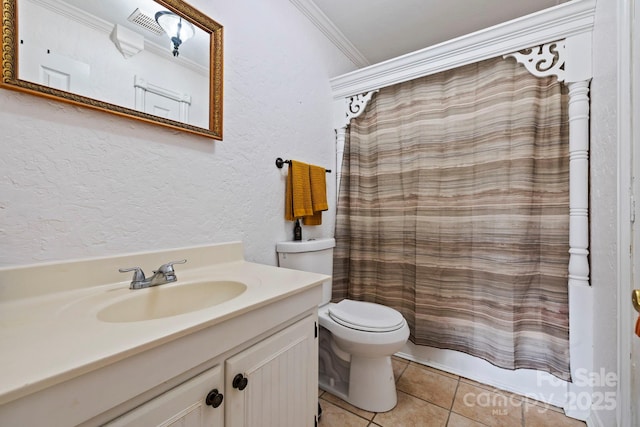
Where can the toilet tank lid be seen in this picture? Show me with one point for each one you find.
(310, 245)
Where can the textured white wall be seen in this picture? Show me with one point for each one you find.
(603, 170)
(78, 183)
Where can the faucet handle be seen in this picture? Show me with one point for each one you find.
(138, 274)
(168, 267)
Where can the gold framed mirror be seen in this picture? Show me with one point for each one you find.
(114, 56)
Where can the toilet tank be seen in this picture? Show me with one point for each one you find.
(315, 256)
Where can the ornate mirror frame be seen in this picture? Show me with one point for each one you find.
(11, 80)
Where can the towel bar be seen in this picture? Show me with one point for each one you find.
(280, 163)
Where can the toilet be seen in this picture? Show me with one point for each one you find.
(357, 338)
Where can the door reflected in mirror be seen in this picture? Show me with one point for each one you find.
(115, 56)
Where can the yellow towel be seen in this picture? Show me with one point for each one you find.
(317, 177)
(306, 193)
(298, 192)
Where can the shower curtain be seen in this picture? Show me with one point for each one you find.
(454, 209)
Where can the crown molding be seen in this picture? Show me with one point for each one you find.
(559, 22)
(309, 9)
(75, 14)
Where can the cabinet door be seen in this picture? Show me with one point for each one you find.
(182, 406)
(281, 373)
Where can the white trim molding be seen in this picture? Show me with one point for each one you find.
(323, 23)
(559, 22)
(628, 195)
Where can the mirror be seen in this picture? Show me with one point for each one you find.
(112, 55)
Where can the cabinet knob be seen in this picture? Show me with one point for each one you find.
(239, 382)
(214, 398)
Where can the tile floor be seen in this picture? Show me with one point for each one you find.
(428, 397)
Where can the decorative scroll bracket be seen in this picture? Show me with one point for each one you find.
(544, 60)
(356, 105)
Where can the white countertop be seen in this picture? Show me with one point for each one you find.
(55, 334)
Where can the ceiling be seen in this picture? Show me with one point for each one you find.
(367, 31)
(383, 29)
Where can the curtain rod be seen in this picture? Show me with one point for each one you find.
(280, 163)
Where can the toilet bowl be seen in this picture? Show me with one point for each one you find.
(371, 384)
(357, 338)
(381, 331)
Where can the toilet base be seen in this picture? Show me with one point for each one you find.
(365, 382)
(373, 393)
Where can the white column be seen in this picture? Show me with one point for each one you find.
(578, 75)
(341, 134)
(580, 392)
(579, 183)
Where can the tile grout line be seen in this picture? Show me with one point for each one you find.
(433, 403)
(455, 393)
(349, 411)
(454, 401)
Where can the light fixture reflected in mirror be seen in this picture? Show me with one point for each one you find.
(176, 28)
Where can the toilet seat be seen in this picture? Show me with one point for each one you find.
(366, 316)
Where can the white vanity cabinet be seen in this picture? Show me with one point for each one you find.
(271, 383)
(274, 383)
(182, 406)
(66, 364)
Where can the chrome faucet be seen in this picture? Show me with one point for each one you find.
(164, 274)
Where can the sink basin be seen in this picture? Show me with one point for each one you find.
(171, 300)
